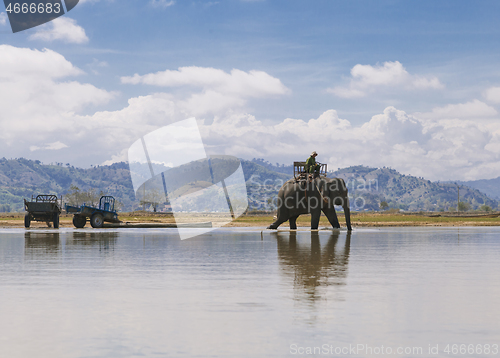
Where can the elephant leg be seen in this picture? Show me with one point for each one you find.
(315, 215)
(280, 220)
(293, 222)
(347, 213)
(332, 217)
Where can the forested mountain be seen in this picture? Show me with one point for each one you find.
(22, 178)
(368, 187)
(406, 192)
(490, 187)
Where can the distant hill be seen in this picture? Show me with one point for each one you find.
(22, 178)
(279, 168)
(406, 192)
(490, 187)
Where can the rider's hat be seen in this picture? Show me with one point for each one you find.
(314, 153)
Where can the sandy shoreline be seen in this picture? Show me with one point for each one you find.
(16, 220)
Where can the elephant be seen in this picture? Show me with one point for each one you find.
(297, 197)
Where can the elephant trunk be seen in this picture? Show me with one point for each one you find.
(347, 213)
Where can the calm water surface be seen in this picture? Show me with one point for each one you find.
(235, 293)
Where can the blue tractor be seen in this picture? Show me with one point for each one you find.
(98, 215)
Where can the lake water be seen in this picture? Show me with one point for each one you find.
(239, 293)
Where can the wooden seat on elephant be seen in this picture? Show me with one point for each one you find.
(299, 170)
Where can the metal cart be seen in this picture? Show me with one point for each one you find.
(45, 208)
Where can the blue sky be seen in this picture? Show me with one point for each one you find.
(410, 85)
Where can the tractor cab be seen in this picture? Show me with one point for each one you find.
(107, 203)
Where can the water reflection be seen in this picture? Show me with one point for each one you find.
(51, 243)
(105, 240)
(36, 243)
(313, 265)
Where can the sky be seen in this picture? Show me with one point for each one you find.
(410, 85)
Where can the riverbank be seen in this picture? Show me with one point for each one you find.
(264, 219)
(385, 220)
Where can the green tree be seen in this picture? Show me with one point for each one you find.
(463, 206)
(384, 205)
(486, 208)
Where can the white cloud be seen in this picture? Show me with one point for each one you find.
(492, 94)
(435, 148)
(41, 103)
(50, 146)
(63, 29)
(35, 101)
(219, 90)
(162, 3)
(367, 78)
(472, 109)
(18, 64)
(248, 84)
(3, 18)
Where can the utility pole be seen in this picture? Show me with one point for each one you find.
(458, 196)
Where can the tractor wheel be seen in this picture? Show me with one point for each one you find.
(97, 221)
(27, 220)
(56, 221)
(79, 221)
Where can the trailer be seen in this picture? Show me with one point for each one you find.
(45, 207)
(105, 212)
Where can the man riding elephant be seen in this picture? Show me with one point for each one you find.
(311, 165)
(315, 196)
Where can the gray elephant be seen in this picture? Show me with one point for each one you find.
(297, 197)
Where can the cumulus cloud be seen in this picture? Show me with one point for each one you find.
(248, 84)
(162, 3)
(472, 109)
(219, 90)
(62, 29)
(367, 78)
(435, 148)
(42, 101)
(35, 99)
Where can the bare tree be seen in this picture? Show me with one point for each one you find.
(153, 197)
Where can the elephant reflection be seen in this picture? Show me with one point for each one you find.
(314, 266)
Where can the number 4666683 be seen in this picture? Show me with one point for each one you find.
(457, 349)
(34, 8)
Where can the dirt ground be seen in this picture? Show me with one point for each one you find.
(13, 220)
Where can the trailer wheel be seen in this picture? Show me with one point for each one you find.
(79, 221)
(27, 220)
(56, 221)
(97, 221)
